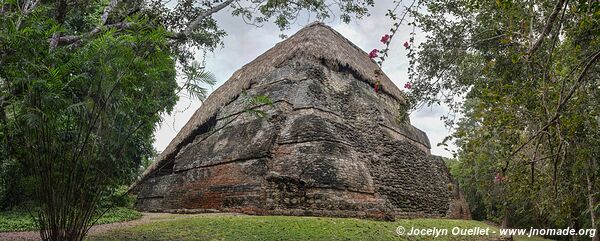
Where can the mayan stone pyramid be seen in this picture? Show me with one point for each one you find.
(328, 145)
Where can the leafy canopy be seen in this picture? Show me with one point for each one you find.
(523, 77)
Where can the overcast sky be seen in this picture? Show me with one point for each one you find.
(245, 42)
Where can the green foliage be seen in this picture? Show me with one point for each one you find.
(285, 13)
(254, 102)
(529, 115)
(119, 214)
(16, 184)
(12, 221)
(80, 119)
(196, 78)
(285, 228)
(176, 18)
(119, 198)
(23, 220)
(83, 84)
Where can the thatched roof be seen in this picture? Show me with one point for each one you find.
(316, 40)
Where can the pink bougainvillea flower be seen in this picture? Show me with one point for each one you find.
(499, 178)
(385, 39)
(408, 85)
(406, 45)
(373, 53)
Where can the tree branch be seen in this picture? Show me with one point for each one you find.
(547, 28)
(26, 10)
(70, 39)
(194, 24)
(58, 40)
(562, 102)
(107, 11)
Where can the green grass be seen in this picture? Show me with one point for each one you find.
(11, 221)
(215, 227)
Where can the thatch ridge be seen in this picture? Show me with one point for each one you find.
(316, 40)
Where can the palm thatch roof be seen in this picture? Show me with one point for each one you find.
(317, 41)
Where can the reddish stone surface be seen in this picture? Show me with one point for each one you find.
(329, 146)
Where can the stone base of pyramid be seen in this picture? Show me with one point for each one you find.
(329, 145)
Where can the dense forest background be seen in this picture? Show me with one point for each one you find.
(83, 84)
(523, 77)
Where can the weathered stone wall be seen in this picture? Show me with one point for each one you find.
(331, 146)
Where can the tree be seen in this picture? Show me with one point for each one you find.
(81, 120)
(83, 84)
(524, 77)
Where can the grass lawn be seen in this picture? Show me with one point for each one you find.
(222, 227)
(11, 221)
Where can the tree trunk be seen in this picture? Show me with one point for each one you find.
(575, 221)
(507, 213)
(591, 200)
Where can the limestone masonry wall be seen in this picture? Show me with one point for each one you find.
(329, 146)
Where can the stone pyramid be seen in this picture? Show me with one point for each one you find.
(328, 145)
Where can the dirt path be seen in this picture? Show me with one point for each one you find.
(97, 229)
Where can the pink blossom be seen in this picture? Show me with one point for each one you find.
(499, 178)
(408, 85)
(406, 45)
(385, 39)
(373, 53)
